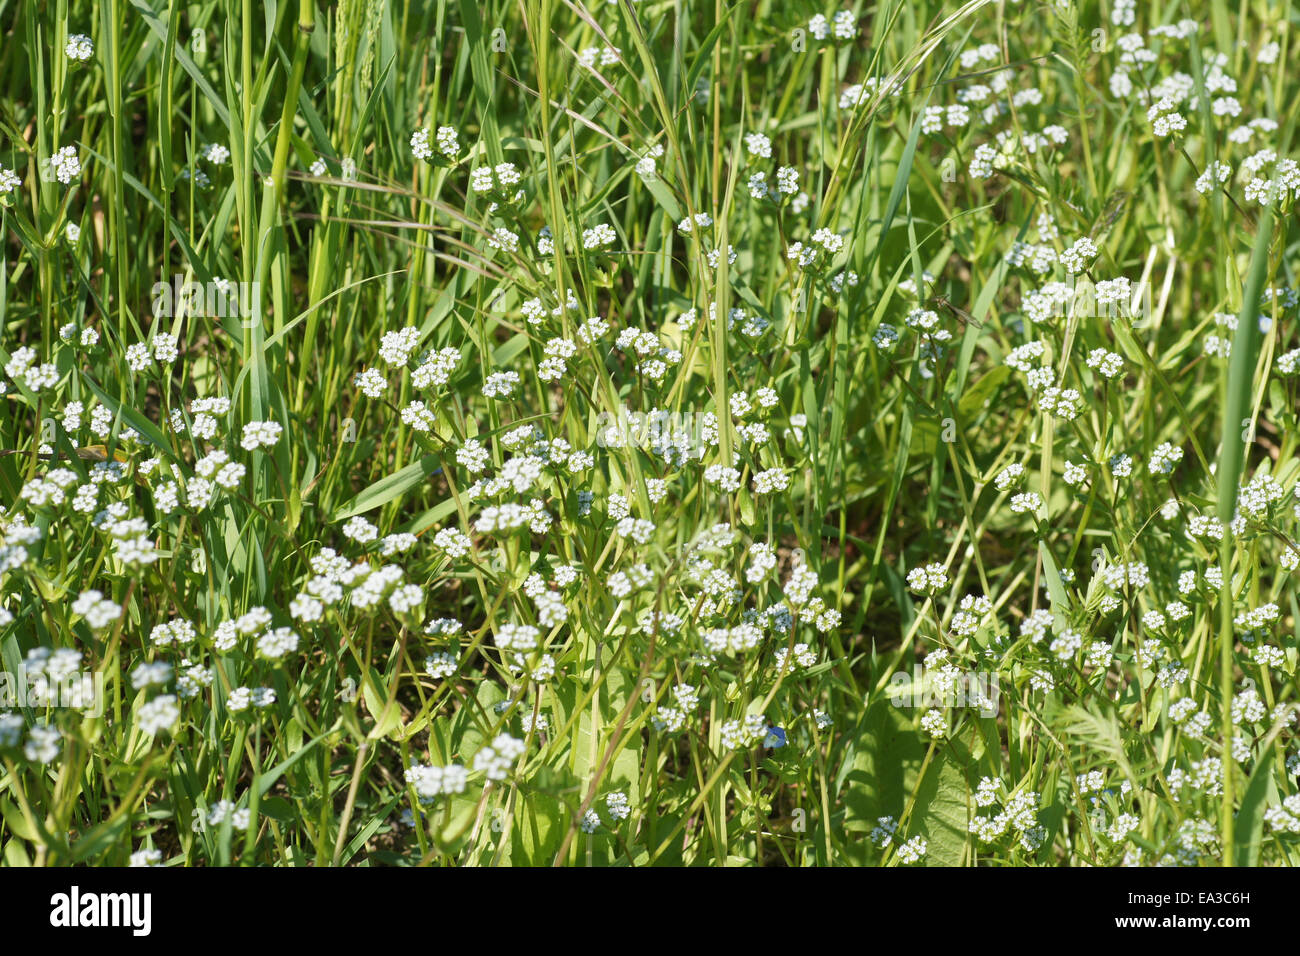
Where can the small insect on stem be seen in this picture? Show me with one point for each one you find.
(961, 315)
(1110, 213)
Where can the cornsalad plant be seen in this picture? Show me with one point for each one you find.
(662, 432)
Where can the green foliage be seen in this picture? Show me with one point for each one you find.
(971, 540)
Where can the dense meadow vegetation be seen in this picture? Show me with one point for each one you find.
(676, 432)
